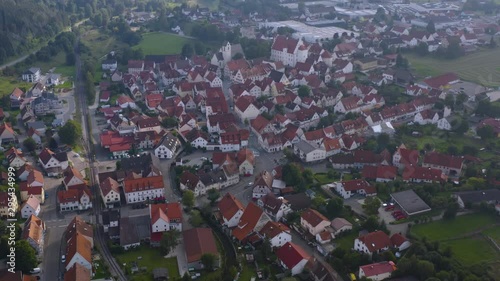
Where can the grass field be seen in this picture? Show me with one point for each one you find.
(494, 233)
(211, 4)
(8, 84)
(151, 259)
(472, 250)
(159, 43)
(58, 65)
(479, 67)
(443, 230)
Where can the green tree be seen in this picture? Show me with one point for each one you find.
(169, 122)
(169, 241)
(213, 195)
(208, 261)
(292, 175)
(25, 256)
(371, 224)
(334, 207)
(187, 50)
(431, 28)
(451, 211)
(371, 205)
(30, 144)
(188, 199)
(304, 91)
(486, 132)
(425, 269)
(70, 133)
(195, 218)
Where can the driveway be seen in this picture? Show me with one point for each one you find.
(180, 253)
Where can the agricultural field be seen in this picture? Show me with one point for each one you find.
(8, 84)
(478, 67)
(160, 43)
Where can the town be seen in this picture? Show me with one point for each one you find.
(253, 140)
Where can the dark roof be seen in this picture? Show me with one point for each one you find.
(298, 201)
(478, 196)
(410, 202)
(128, 232)
(139, 163)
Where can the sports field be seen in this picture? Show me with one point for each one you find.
(480, 67)
(160, 43)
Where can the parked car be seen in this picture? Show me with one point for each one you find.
(390, 208)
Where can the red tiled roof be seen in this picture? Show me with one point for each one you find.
(398, 239)
(379, 172)
(282, 44)
(313, 217)
(355, 185)
(109, 184)
(229, 206)
(375, 269)
(247, 222)
(291, 254)
(445, 160)
(441, 80)
(199, 241)
(375, 241)
(140, 184)
(273, 229)
(420, 173)
(166, 211)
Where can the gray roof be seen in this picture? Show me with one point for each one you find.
(169, 141)
(478, 196)
(305, 146)
(128, 233)
(298, 201)
(36, 125)
(140, 163)
(32, 70)
(410, 202)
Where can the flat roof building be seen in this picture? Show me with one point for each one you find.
(309, 33)
(410, 202)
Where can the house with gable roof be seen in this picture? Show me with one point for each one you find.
(373, 242)
(231, 210)
(450, 165)
(377, 271)
(34, 233)
(165, 217)
(110, 191)
(198, 242)
(74, 199)
(403, 157)
(292, 257)
(277, 233)
(313, 221)
(190, 181)
(252, 220)
(53, 163)
(15, 158)
(78, 251)
(346, 189)
(167, 147)
(263, 185)
(73, 179)
(288, 50)
(7, 134)
(275, 207)
(30, 207)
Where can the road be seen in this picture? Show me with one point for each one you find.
(88, 144)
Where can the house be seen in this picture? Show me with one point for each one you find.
(8, 205)
(143, 188)
(246, 161)
(110, 192)
(262, 185)
(74, 199)
(109, 65)
(346, 189)
(366, 64)
(292, 257)
(231, 210)
(277, 233)
(466, 199)
(448, 164)
(15, 158)
(288, 50)
(198, 242)
(38, 126)
(32, 75)
(110, 219)
(77, 272)
(340, 225)
(53, 79)
(34, 233)
(440, 82)
(16, 98)
(125, 101)
(78, 251)
(165, 217)
(245, 109)
(419, 174)
(252, 220)
(275, 207)
(129, 238)
(190, 181)
(167, 147)
(46, 104)
(308, 152)
(78, 226)
(53, 163)
(7, 135)
(379, 173)
(148, 124)
(377, 271)
(446, 123)
(373, 242)
(403, 157)
(399, 242)
(73, 179)
(30, 207)
(313, 221)
(35, 135)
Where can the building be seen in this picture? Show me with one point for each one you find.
(410, 202)
(252, 220)
(373, 242)
(109, 65)
(78, 251)
(466, 199)
(377, 271)
(77, 273)
(308, 152)
(128, 234)
(165, 217)
(32, 75)
(142, 189)
(275, 207)
(346, 189)
(340, 225)
(167, 147)
(82, 228)
(231, 210)
(34, 233)
(448, 164)
(30, 207)
(7, 135)
(53, 163)
(314, 222)
(198, 242)
(110, 192)
(73, 179)
(277, 233)
(263, 185)
(292, 257)
(74, 199)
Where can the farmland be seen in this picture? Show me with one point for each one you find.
(160, 43)
(478, 67)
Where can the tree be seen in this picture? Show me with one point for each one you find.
(30, 144)
(188, 199)
(451, 211)
(70, 59)
(53, 144)
(213, 195)
(25, 256)
(208, 261)
(486, 132)
(371, 224)
(70, 132)
(371, 205)
(292, 175)
(334, 207)
(304, 91)
(401, 62)
(169, 122)
(195, 219)
(493, 43)
(187, 50)
(169, 241)
(431, 28)
(424, 269)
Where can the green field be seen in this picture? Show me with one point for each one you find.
(472, 250)
(58, 65)
(8, 84)
(160, 43)
(151, 259)
(211, 4)
(479, 67)
(447, 229)
(100, 44)
(493, 233)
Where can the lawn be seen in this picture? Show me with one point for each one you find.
(211, 4)
(472, 250)
(323, 178)
(478, 67)
(151, 259)
(100, 44)
(8, 84)
(247, 273)
(443, 230)
(58, 65)
(160, 43)
(346, 242)
(493, 233)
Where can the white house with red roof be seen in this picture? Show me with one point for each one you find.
(110, 191)
(231, 210)
(245, 109)
(346, 189)
(74, 199)
(313, 221)
(288, 50)
(440, 82)
(419, 174)
(292, 257)
(377, 271)
(403, 157)
(73, 179)
(125, 101)
(165, 217)
(30, 207)
(277, 233)
(263, 185)
(53, 163)
(252, 220)
(15, 157)
(373, 242)
(448, 164)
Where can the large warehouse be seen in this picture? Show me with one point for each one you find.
(410, 202)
